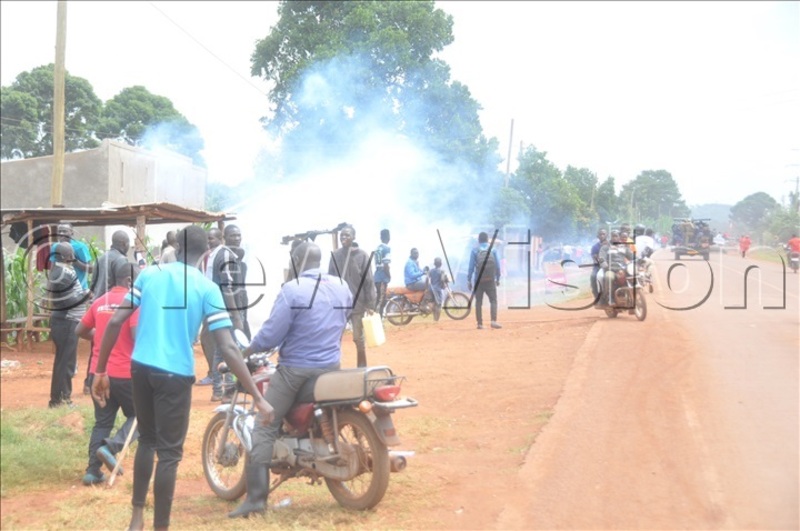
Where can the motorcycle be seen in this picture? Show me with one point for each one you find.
(628, 288)
(338, 431)
(794, 260)
(403, 304)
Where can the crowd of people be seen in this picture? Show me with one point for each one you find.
(142, 324)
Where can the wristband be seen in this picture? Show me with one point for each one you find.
(101, 374)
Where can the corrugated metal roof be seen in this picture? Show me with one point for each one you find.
(154, 213)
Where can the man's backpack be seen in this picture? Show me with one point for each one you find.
(487, 272)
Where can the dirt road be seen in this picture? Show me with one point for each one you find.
(687, 420)
(564, 420)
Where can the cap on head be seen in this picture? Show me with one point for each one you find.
(483, 237)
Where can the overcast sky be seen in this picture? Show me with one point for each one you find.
(707, 91)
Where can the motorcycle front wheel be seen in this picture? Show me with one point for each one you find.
(396, 312)
(365, 490)
(456, 306)
(640, 306)
(225, 475)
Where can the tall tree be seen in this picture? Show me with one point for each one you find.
(752, 214)
(140, 118)
(26, 136)
(19, 123)
(606, 202)
(650, 195)
(341, 70)
(557, 210)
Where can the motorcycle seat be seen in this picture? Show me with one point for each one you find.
(413, 296)
(350, 384)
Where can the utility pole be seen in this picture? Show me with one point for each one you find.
(508, 160)
(59, 80)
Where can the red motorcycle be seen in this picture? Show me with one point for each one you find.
(403, 304)
(339, 432)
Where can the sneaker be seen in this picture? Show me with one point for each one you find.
(205, 381)
(93, 479)
(216, 397)
(480, 327)
(496, 325)
(104, 454)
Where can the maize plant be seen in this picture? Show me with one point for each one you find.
(16, 283)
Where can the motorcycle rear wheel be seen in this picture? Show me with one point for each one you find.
(396, 311)
(456, 306)
(365, 490)
(226, 478)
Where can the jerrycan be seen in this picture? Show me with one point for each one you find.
(373, 330)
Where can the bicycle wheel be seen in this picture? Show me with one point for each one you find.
(456, 305)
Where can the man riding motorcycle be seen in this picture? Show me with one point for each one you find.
(614, 257)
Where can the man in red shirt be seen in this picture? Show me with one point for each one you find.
(102, 447)
(793, 244)
(744, 245)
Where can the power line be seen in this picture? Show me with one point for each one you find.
(229, 67)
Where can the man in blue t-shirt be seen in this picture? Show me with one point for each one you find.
(84, 261)
(173, 299)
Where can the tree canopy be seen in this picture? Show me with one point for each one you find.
(27, 114)
(753, 212)
(134, 116)
(341, 70)
(651, 195)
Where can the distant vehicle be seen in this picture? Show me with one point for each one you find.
(691, 237)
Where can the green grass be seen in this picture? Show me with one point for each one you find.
(767, 254)
(41, 448)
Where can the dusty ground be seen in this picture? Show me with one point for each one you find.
(561, 420)
(484, 396)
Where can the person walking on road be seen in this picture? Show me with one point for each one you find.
(484, 274)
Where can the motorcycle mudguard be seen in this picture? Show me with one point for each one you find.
(385, 428)
(225, 407)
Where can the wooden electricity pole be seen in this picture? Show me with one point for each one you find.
(59, 81)
(508, 161)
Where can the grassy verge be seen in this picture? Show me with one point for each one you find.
(45, 451)
(43, 447)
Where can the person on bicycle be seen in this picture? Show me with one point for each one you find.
(307, 321)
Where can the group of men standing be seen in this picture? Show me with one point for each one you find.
(143, 325)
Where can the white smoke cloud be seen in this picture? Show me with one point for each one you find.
(352, 165)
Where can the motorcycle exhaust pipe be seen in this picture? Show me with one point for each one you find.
(397, 459)
(397, 463)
